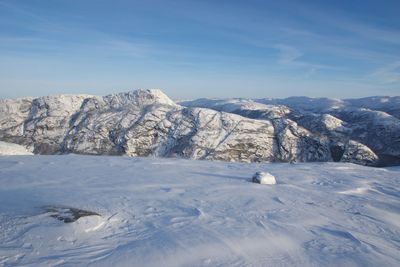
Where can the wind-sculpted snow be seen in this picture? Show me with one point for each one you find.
(148, 123)
(121, 211)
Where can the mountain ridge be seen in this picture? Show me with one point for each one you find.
(147, 122)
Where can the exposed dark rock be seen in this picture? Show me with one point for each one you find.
(68, 214)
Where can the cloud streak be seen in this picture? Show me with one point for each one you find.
(292, 57)
(389, 74)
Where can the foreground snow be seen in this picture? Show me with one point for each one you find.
(169, 212)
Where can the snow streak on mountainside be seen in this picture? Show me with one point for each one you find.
(147, 122)
(174, 212)
(13, 149)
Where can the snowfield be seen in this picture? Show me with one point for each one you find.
(172, 212)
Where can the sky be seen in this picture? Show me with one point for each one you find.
(203, 48)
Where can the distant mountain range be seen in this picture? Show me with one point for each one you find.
(148, 123)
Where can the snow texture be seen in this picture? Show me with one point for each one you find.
(174, 212)
(13, 149)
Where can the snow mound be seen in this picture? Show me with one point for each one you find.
(264, 178)
(13, 149)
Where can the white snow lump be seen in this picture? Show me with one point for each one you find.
(263, 178)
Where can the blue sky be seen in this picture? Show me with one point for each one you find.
(209, 48)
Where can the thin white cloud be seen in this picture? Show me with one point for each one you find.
(370, 32)
(19, 10)
(288, 54)
(388, 74)
(292, 57)
(348, 22)
(128, 48)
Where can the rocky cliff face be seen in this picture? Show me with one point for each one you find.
(148, 123)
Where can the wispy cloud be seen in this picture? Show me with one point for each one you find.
(201, 41)
(292, 57)
(128, 48)
(369, 31)
(288, 54)
(19, 10)
(388, 74)
(347, 22)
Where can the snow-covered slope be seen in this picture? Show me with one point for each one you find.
(13, 149)
(306, 103)
(369, 122)
(148, 123)
(171, 212)
(387, 104)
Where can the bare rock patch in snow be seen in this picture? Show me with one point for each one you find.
(263, 178)
(68, 214)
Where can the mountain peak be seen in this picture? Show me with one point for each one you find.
(141, 97)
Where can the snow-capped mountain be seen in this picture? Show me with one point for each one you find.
(363, 131)
(147, 122)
